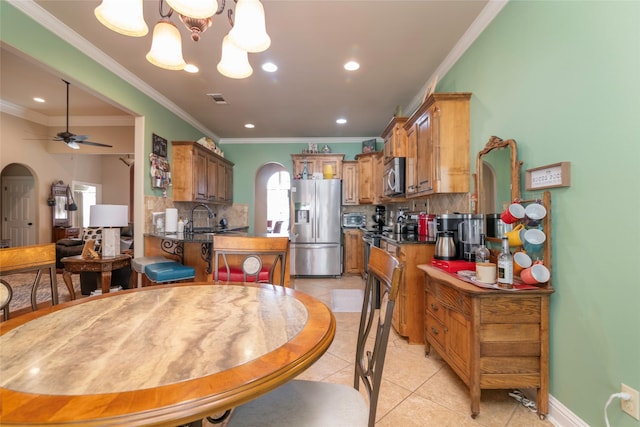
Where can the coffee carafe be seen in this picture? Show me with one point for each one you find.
(450, 222)
(469, 231)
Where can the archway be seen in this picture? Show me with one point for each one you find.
(19, 206)
(271, 198)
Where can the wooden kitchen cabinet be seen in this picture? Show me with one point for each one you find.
(408, 315)
(200, 175)
(317, 162)
(492, 339)
(438, 146)
(370, 177)
(353, 251)
(350, 182)
(395, 139)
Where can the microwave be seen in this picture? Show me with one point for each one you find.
(354, 220)
(393, 177)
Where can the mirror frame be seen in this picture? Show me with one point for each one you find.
(493, 144)
(59, 212)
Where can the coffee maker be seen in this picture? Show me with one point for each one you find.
(379, 218)
(448, 223)
(469, 231)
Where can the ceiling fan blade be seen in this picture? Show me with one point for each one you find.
(80, 137)
(72, 144)
(97, 144)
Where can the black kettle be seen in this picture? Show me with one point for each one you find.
(445, 246)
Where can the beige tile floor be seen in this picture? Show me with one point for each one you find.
(416, 390)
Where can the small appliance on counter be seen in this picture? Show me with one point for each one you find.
(448, 223)
(469, 231)
(354, 220)
(379, 218)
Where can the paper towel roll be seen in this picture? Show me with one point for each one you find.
(171, 220)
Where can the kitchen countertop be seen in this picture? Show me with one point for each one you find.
(199, 237)
(406, 239)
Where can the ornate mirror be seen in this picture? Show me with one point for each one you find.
(59, 203)
(498, 172)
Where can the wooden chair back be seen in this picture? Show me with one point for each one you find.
(232, 252)
(30, 258)
(385, 268)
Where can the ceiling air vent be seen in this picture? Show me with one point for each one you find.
(217, 98)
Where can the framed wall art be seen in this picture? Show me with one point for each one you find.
(159, 145)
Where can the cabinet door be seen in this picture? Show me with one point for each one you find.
(221, 182)
(424, 152)
(411, 164)
(212, 178)
(352, 255)
(200, 176)
(365, 180)
(458, 339)
(350, 183)
(376, 176)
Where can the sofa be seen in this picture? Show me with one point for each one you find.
(73, 247)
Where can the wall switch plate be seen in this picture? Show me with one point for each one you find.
(631, 406)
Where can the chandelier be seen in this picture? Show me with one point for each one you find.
(247, 35)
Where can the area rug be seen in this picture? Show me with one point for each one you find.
(21, 285)
(346, 300)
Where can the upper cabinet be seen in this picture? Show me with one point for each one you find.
(349, 182)
(316, 163)
(370, 178)
(395, 139)
(438, 146)
(200, 175)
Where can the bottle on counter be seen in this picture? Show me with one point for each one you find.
(482, 253)
(180, 225)
(505, 265)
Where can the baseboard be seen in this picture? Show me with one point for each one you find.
(559, 415)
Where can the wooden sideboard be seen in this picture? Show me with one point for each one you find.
(492, 339)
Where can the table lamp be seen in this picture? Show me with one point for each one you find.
(110, 218)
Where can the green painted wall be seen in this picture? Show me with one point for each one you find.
(249, 157)
(563, 79)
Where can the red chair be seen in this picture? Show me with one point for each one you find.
(249, 259)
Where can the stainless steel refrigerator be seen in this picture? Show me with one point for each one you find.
(316, 248)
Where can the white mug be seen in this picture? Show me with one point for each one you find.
(486, 272)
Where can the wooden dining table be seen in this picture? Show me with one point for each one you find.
(163, 355)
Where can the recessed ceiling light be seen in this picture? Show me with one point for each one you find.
(190, 68)
(38, 99)
(249, 125)
(269, 67)
(351, 66)
(341, 121)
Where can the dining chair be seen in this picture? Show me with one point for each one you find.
(321, 404)
(6, 293)
(248, 258)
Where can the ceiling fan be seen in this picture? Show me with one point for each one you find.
(72, 140)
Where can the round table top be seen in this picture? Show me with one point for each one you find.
(160, 355)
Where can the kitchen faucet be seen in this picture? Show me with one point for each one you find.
(211, 214)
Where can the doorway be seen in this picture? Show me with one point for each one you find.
(19, 216)
(271, 199)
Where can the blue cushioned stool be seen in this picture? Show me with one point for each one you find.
(170, 271)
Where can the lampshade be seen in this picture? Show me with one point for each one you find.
(234, 62)
(194, 8)
(166, 46)
(249, 31)
(108, 216)
(122, 16)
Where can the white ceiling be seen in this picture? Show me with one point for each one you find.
(400, 45)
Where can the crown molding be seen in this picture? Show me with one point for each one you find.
(482, 21)
(332, 140)
(53, 24)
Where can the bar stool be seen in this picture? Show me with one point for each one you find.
(158, 269)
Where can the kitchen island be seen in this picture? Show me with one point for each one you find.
(196, 250)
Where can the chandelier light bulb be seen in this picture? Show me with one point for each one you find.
(199, 9)
(234, 62)
(166, 47)
(122, 16)
(249, 29)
